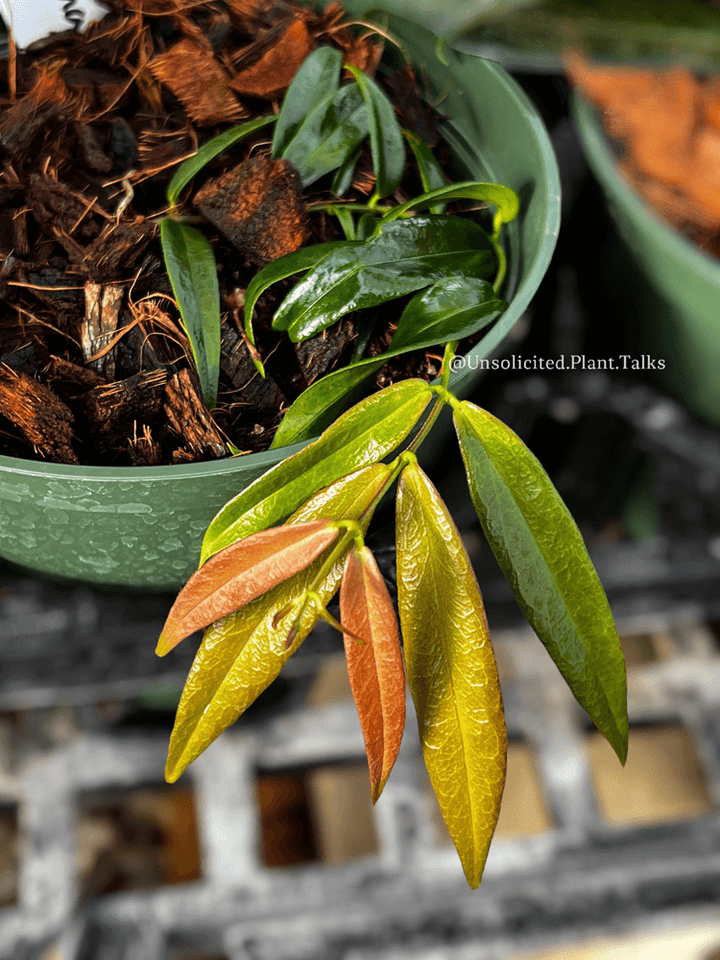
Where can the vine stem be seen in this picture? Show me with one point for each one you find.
(440, 401)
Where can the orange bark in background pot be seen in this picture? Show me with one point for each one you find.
(668, 125)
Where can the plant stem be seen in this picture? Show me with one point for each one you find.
(354, 207)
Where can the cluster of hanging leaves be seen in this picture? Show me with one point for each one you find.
(451, 264)
(264, 583)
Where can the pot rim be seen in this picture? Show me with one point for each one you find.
(603, 164)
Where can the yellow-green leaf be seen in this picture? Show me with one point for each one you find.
(242, 654)
(451, 669)
(543, 556)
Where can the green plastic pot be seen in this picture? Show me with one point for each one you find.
(141, 527)
(668, 291)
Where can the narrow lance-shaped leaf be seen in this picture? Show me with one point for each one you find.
(317, 406)
(451, 670)
(407, 256)
(193, 165)
(450, 309)
(543, 556)
(242, 572)
(431, 173)
(317, 77)
(386, 139)
(329, 137)
(242, 654)
(377, 678)
(191, 266)
(366, 433)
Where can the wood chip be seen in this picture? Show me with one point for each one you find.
(199, 82)
(40, 416)
(270, 76)
(49, 100)
(69, 379)
(258, 206)
(113, 413)
(250, 389)
(189, 417)
(319, 354)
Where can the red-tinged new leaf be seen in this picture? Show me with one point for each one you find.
(376, 672)
(240, 573)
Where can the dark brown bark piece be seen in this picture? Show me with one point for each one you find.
(144, 451)
(237, 365)
(258, 206)
(189, 417)
(113, 414)
(69, 379)
(199, 82)
(317, 355)
(40, 416)
(56, 206)
(117, 250)
(91, 151)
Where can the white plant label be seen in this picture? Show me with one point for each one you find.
(32, 20)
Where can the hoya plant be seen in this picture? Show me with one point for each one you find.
(274, 557)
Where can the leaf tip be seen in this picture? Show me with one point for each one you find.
(173, 772)
(165, 644)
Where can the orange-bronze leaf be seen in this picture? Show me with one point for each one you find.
(376, 671)
(241, 572)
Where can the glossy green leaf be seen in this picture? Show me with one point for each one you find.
(316, 80)
(431, 173)
(187, 170)
(191, 267)
(329, 136)
(317, 406)
(297, 262)
(451, 309)
(386, 140)
(406, 256)
(542, 554)
(451, 669)
(242, 654)
(368, 432)
(505, 200)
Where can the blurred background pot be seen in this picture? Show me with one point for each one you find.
(141, 527)
(663, 291)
